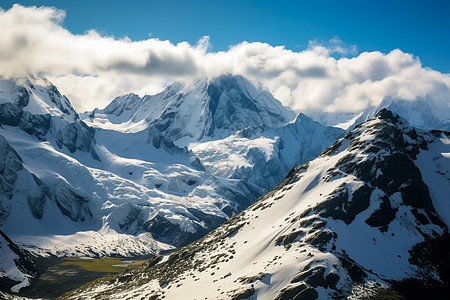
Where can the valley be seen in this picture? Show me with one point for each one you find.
(62, 274)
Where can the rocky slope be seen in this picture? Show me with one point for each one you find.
(367, 219)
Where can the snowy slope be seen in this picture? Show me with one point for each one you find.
(263, 156)
(98, 209)
(358, 222)
(17, 266)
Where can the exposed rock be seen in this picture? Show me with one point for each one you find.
(314, 277)
(340, 206)
(291, 291)
(242, 294)
(71, 204)
(307, 294)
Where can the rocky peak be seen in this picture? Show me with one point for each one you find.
(123, 103)
(234, 103)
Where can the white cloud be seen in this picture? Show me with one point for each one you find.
(92, 69)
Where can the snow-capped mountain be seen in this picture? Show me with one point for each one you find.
(203, 109)
(235, 130)
(368, 219)
(118, 183)
(78, 198)
(17, 266)
(422, 112)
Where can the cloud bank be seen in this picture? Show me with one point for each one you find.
(92, 69)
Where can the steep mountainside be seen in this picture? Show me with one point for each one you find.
(367, 219)
(17, 266)
(121, 184)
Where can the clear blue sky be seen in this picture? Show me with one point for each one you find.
(418, 27)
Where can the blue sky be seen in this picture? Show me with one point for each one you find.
(418, 27)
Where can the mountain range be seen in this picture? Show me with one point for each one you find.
(145, 174)
(221, 175)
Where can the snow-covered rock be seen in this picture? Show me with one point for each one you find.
(14, 177)
(17, 266)
(367, 219)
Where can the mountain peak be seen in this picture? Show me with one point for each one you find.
(37, 107)
(386, 114)
(200, 109)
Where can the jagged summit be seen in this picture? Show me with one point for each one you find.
(368, 218)
(201, 109)
(37, 95)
